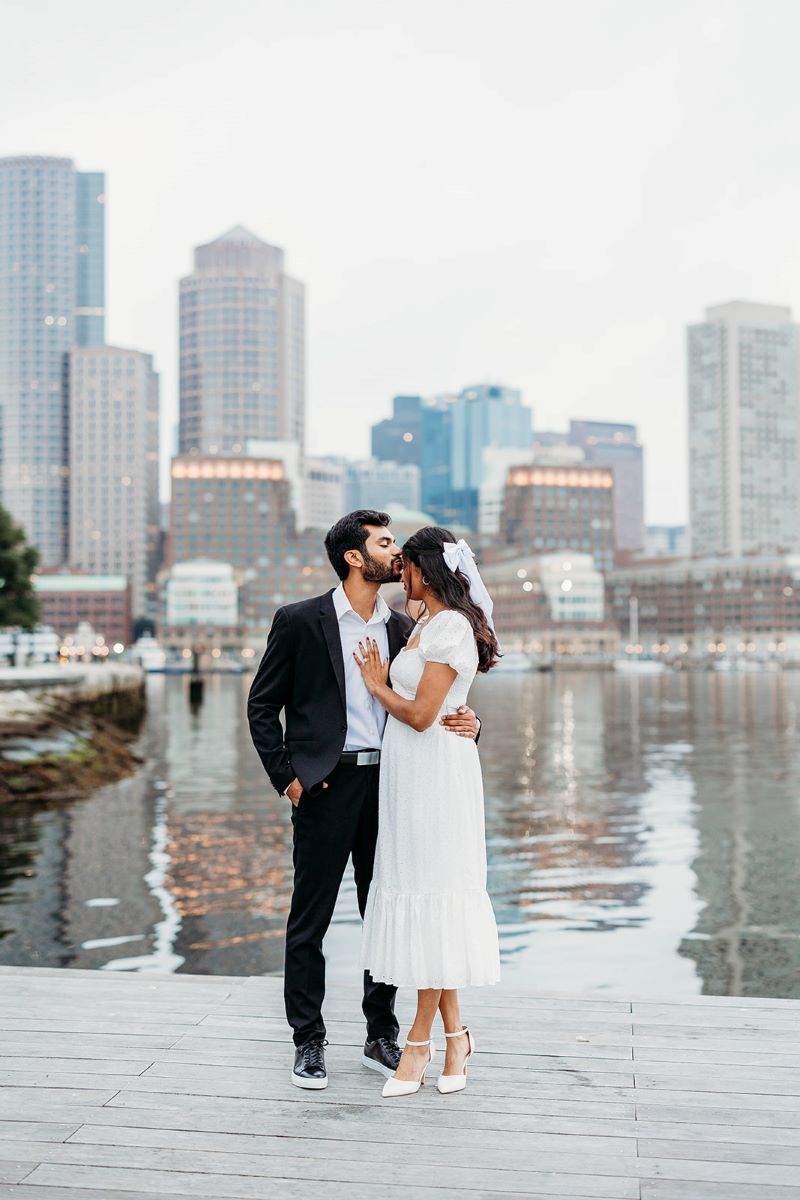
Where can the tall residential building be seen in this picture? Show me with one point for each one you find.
(242, 348)
(51, 299)
(744, 430)
(560, 508)
(113, 477)
(609, 444)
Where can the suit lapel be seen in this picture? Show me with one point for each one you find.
(397, 636)
(330, 627)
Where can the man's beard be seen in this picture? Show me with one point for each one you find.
(378, 572)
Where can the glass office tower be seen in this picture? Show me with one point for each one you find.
(90, 312)
(39, 297)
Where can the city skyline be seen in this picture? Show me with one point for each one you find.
(555, 224)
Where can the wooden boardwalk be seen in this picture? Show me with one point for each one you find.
(140, 1085)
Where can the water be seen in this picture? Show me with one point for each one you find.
(643, 838)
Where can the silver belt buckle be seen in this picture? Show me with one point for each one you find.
(368, 758)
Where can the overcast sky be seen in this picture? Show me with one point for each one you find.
(537, 193)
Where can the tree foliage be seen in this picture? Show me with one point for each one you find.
(19, 604)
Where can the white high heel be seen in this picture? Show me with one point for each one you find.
(407, 1087)
(457, 1083)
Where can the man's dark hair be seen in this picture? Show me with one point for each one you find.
(350, 533)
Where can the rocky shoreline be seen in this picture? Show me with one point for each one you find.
(67, 730)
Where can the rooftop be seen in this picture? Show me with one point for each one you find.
(238, 233)
(79, 583)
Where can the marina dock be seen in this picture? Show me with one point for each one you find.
(144, 1085)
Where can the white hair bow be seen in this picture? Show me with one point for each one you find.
(459, 557)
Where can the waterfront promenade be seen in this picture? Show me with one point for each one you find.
(152, 1085)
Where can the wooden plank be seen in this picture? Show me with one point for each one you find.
(9, 1065)
(27, 1191)
(40, 1094)
(698, 1170)
(296, 1141)
(477, 1114)
(734, 1010)
(81, 1045)
(717, 1111)
(645, 1056)
(422, 1180)
(724, 1079)
(277, 1189)
(203, 1113)
(57, 1024)
(682, 1189)
(491, 1082)
(15, 1172)
(68, 1080)
(344, 1161)
(697, 1131)
(36, 1131)
(726, 1151)
(339, 1059)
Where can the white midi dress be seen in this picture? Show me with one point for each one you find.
(429, 922)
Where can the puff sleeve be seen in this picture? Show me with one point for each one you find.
(448, 638)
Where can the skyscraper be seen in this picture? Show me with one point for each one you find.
(113, 480)
(398, 439)
(744, 430)
(446, 437)
(609, 444)
(242, 348)
(486, 415)
(51, 298)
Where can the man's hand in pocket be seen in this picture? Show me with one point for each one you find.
(295, 791)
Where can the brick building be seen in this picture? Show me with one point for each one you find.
(553, 508)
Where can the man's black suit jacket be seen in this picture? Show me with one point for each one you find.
(302, 674)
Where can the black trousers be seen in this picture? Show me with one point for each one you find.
(328, 828)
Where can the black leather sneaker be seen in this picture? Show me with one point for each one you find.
(309, 1065)
(381, 1055)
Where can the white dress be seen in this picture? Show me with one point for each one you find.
(429, 921)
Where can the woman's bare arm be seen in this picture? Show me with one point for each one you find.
(421, 712)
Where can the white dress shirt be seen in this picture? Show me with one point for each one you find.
(366, 717)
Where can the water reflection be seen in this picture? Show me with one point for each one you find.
(643, 837)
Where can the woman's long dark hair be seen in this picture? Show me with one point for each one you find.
(425, 549)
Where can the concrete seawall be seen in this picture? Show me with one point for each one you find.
(65, 730)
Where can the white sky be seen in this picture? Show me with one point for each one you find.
(538, 193)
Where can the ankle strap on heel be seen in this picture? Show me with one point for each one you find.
(458, 1033)
(428, 1043)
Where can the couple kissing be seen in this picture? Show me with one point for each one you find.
(379, 760)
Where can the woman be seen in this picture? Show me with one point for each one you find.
(429, 923)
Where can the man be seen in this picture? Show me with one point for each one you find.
(327, 763)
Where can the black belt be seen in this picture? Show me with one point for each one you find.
(360, 758)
